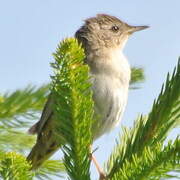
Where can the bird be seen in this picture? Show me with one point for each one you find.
(103, 38)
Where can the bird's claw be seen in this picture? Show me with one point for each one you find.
(102, 176)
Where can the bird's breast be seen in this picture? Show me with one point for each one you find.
(110, 97)
(110, 75)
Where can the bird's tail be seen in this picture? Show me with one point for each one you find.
(47, 142)
(41, 151)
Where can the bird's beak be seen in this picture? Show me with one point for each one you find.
(133, 29)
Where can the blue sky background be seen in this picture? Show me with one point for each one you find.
(31, 30)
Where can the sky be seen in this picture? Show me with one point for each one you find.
(30, 31)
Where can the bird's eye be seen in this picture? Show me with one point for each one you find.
(115, 28)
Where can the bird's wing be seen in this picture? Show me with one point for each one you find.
(46, 143)
(46, 114)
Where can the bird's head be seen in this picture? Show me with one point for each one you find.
(105, 31)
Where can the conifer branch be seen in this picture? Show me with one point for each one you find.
(14, 166)
(152, 129)
(13, 140)
(21, 104)
(74, 108)
(153, 163)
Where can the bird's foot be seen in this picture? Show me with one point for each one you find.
(102, 175)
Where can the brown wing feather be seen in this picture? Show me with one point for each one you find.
(46, 143)
(46, 113)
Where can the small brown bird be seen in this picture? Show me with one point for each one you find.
(103, 38)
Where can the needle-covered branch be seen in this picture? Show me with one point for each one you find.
(152, 129)
(20, 104)
(13, 140)
(73, 108)
(153, 163)
(14, 166)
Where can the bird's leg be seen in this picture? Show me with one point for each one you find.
(102, 175)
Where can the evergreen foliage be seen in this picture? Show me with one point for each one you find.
(14, 167)
(150, 130)
(18, 110)
(20, 104)
(137, 76)
(142, 151)
(74, 107)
